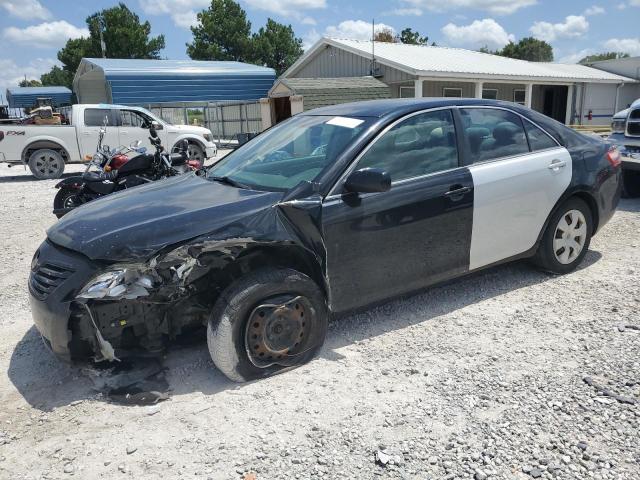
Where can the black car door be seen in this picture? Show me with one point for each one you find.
(417, 233)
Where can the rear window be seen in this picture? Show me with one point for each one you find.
(538, 139)
(95, 117)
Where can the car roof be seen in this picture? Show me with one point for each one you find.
(401, 106)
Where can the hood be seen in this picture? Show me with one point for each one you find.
(134, 224)
(188, 129)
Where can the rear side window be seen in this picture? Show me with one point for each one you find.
(493, 133)
(538, 139)
(422, 144)
(95, 117)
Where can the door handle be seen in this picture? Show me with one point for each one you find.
(557, 165)
(456, 192)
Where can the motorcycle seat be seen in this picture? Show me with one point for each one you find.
(96, 176)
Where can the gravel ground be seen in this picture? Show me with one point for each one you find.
(509, 373)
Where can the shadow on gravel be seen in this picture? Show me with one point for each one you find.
(629, 205)
(30, 178)
(47, 383)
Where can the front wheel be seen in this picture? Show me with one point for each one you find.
(265, 322)
(66, 198)
(566, 240)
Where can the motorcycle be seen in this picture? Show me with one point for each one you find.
(111, 171)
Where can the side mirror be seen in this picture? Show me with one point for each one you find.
(156, 125)
(368, 180)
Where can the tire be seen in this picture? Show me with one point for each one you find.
(194, 151)
(555, 257)
(65, 198)
(229, 330)
(46, 164)
(630, 184)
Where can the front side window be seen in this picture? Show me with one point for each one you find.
(422, 144)
(131, 118)
(493, 133)
(538, 140)
(293, 151)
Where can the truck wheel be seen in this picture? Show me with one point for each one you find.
(266, 322)
(46, 164)
(195, 152)
(630, 184)
(566, 240)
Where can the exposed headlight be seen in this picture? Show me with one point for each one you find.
(618, 125)
(118, 283)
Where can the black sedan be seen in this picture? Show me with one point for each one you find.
(326, 212)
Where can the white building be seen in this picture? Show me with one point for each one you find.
(568, 93)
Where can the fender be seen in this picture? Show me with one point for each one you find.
(45, 138)
(192, 138)
(76, 182)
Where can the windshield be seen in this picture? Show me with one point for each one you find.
(294, 151)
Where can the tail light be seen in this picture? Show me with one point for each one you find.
(613, 156)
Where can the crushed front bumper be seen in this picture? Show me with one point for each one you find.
(56, 276)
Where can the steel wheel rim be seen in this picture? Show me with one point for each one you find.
(570, 237)
(277, 329)
(47, 164)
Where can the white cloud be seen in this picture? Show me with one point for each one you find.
(478, 34)
(26, 9)
(594, 10)
(288, 8)
(182, 12)
(45, 35)
(11, 73)
(573, 26)
(626, 45)
(406, 12)
(355, 30)
(311, 37)
(496, 7)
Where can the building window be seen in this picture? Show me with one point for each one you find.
(519, 96)
(449, 92)
(407, 92)
(490, 94)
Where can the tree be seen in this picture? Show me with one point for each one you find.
(410, 37)
(222, 33)
(123, 35)
(530, 49)
(29, 83)
(384, 35)
(603, 56)
(56, 77)
(276, 46)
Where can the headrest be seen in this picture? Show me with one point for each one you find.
(477, 134)
(504, 132)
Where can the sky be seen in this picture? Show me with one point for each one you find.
(32, 31)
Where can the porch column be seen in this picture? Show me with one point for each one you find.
(479, 87)
(567, 119)
(528, 93)
(418, 87)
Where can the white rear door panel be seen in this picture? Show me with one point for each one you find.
(512, 199)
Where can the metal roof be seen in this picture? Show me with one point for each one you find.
(135, 81)
(25, 97)
(428, 61)
(306, 84)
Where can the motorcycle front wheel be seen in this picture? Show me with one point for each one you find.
(66, 199)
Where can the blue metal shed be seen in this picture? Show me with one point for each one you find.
(25, 97)
(141, 82)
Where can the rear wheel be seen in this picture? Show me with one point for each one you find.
(566, 240)
(268, 321)
(46, 164)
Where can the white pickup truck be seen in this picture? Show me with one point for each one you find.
(46, 148)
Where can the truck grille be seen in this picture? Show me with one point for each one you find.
(45, 278)
(633, 128)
